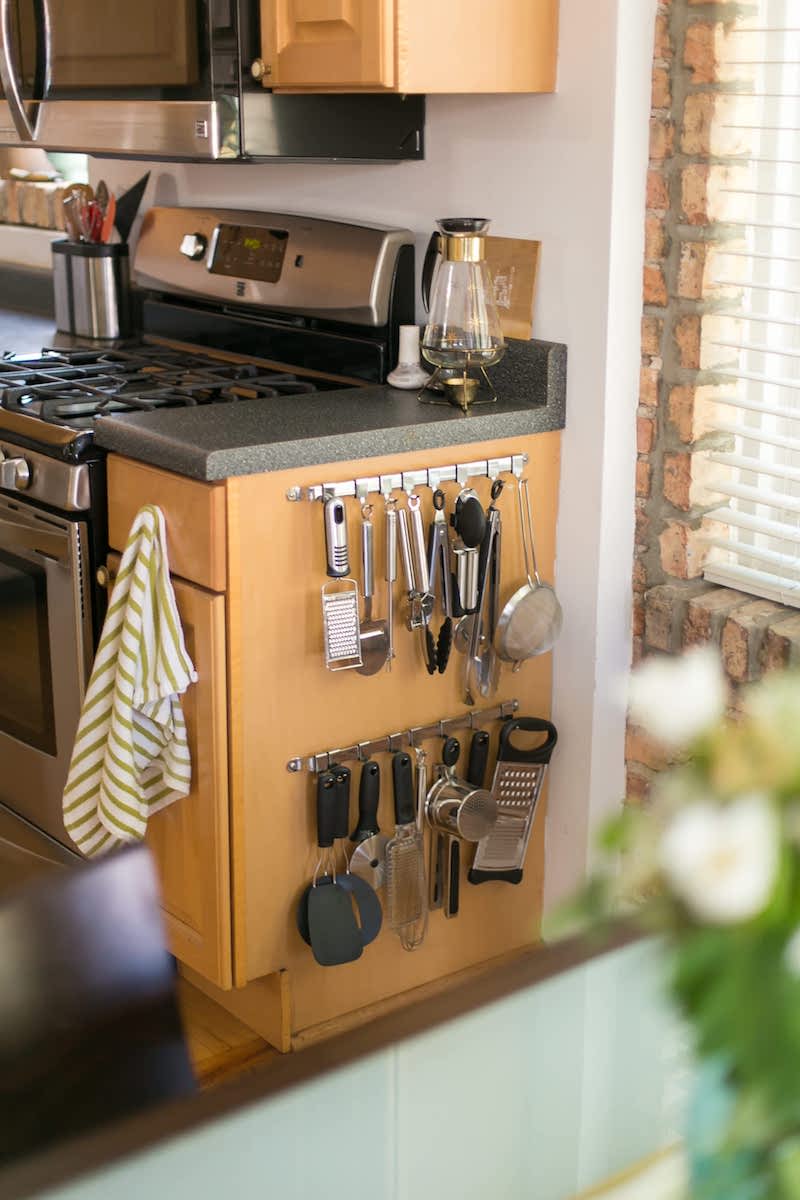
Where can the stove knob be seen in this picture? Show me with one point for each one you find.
(194, 246)
(15, 474)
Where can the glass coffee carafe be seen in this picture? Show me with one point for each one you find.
(463, 335)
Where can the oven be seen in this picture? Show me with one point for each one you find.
(46, 651)
(172, 80)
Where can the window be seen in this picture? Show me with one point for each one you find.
(751, 340)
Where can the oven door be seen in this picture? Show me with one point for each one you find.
(118, 78)
(45, 658)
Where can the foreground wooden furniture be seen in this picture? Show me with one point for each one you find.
(236, 855)
(431, 46)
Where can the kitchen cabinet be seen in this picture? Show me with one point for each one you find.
(235, 856)
(409, 46)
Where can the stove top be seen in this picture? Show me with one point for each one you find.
(71, 388)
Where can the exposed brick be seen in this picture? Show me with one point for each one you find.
(638, 615)
(742, 635)
(694, 193)
(637, 653)
(695, 411)
(662, 91)
(706, 614)
(652, 329)
(699, 51)
(642, 527)
(687, 339)
(639, 576)
(655, 286)
(665, 610)
(639, 748)
(662, 47)
(683, 550)
(638, 782)
(643, 474)
(648, 386)
(691, 479)
(678, 480)
(657, 190)
(710, 126)
(662, 139)
(780, 646)
(645, 434)
(655, 238)
(691, 270)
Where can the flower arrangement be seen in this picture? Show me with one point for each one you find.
(713, 863)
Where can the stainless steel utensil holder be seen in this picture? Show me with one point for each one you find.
(91, 285)
(430, 477)
(360, 751)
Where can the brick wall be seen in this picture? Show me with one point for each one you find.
(695, 157)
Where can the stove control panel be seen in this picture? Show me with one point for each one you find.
(248, 252)
(15, 473)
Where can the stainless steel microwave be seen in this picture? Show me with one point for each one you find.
(172, 80)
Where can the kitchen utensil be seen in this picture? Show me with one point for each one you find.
(478, 758)
(413, 935)
(368, 860)
(463, 335)
(333, 931)
(438, 650)
(128, 205)
(391, 573)
(454, 806)
(370, 914)
(469, 518)
(481, 667)
(374, 634)
(531, 620)
(108, 220)
(341, 625)
(336, 541)
(516, 788)
(448, 845)
(71, 205)
(91, 289)
(404, 902)
(102, 196)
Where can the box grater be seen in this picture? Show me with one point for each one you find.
(516, 787)
(341, 625)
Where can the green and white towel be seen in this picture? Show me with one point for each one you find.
(131, 756)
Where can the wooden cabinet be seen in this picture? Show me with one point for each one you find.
(235, 856)
(410, 46)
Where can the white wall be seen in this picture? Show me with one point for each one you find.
(567, 169)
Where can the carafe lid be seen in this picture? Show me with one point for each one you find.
(463, 226)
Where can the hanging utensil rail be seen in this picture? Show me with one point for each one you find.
(432, 477)
(360, 751)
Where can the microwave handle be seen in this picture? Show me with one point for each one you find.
(9, 79)
(45, 45)
(19, 536)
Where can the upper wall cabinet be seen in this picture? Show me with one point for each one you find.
(409, 46)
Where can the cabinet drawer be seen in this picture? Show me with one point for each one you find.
(194, 513)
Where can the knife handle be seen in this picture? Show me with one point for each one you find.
(478, 758)
(342, 776)
(369, 794)
(326, 809)
(403, 781)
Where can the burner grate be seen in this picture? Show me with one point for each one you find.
(73, 388)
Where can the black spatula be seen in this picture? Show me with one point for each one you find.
(332, 926)
(128, 205)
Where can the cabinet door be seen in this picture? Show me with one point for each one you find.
(329, 43)
(190, 839)
(115, 44)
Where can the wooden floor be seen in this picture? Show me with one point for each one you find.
(220, 1046)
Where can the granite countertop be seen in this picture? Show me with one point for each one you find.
(213, 442)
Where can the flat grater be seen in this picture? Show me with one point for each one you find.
(341, 625)
(516, 788)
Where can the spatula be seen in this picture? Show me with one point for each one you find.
(370, 914)
(332, 926)
(128, 205)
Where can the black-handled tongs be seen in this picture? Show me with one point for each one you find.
(438, 651)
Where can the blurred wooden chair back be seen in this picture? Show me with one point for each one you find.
(89, 1024)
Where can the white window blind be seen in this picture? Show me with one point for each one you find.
(752, 344)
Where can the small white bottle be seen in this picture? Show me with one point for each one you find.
(409, 372)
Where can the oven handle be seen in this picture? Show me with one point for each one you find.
(8, 77)
(18, 536)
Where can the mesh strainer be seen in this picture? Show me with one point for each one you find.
(531, 620)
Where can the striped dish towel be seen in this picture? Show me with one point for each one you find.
(131, 756)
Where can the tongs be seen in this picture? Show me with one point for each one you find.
(437, 652)
(482, 665)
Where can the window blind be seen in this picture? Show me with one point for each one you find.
(751, 343)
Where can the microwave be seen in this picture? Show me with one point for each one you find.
(172, 80)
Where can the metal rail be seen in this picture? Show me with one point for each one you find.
(407, 481)
(360, 751)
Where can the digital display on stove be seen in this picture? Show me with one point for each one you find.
(250, 252)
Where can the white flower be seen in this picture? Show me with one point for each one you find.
(675, 699)
(722, 860)
(791, 954)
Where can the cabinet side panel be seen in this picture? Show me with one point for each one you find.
(507, 46)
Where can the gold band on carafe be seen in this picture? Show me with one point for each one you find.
(464, 249)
